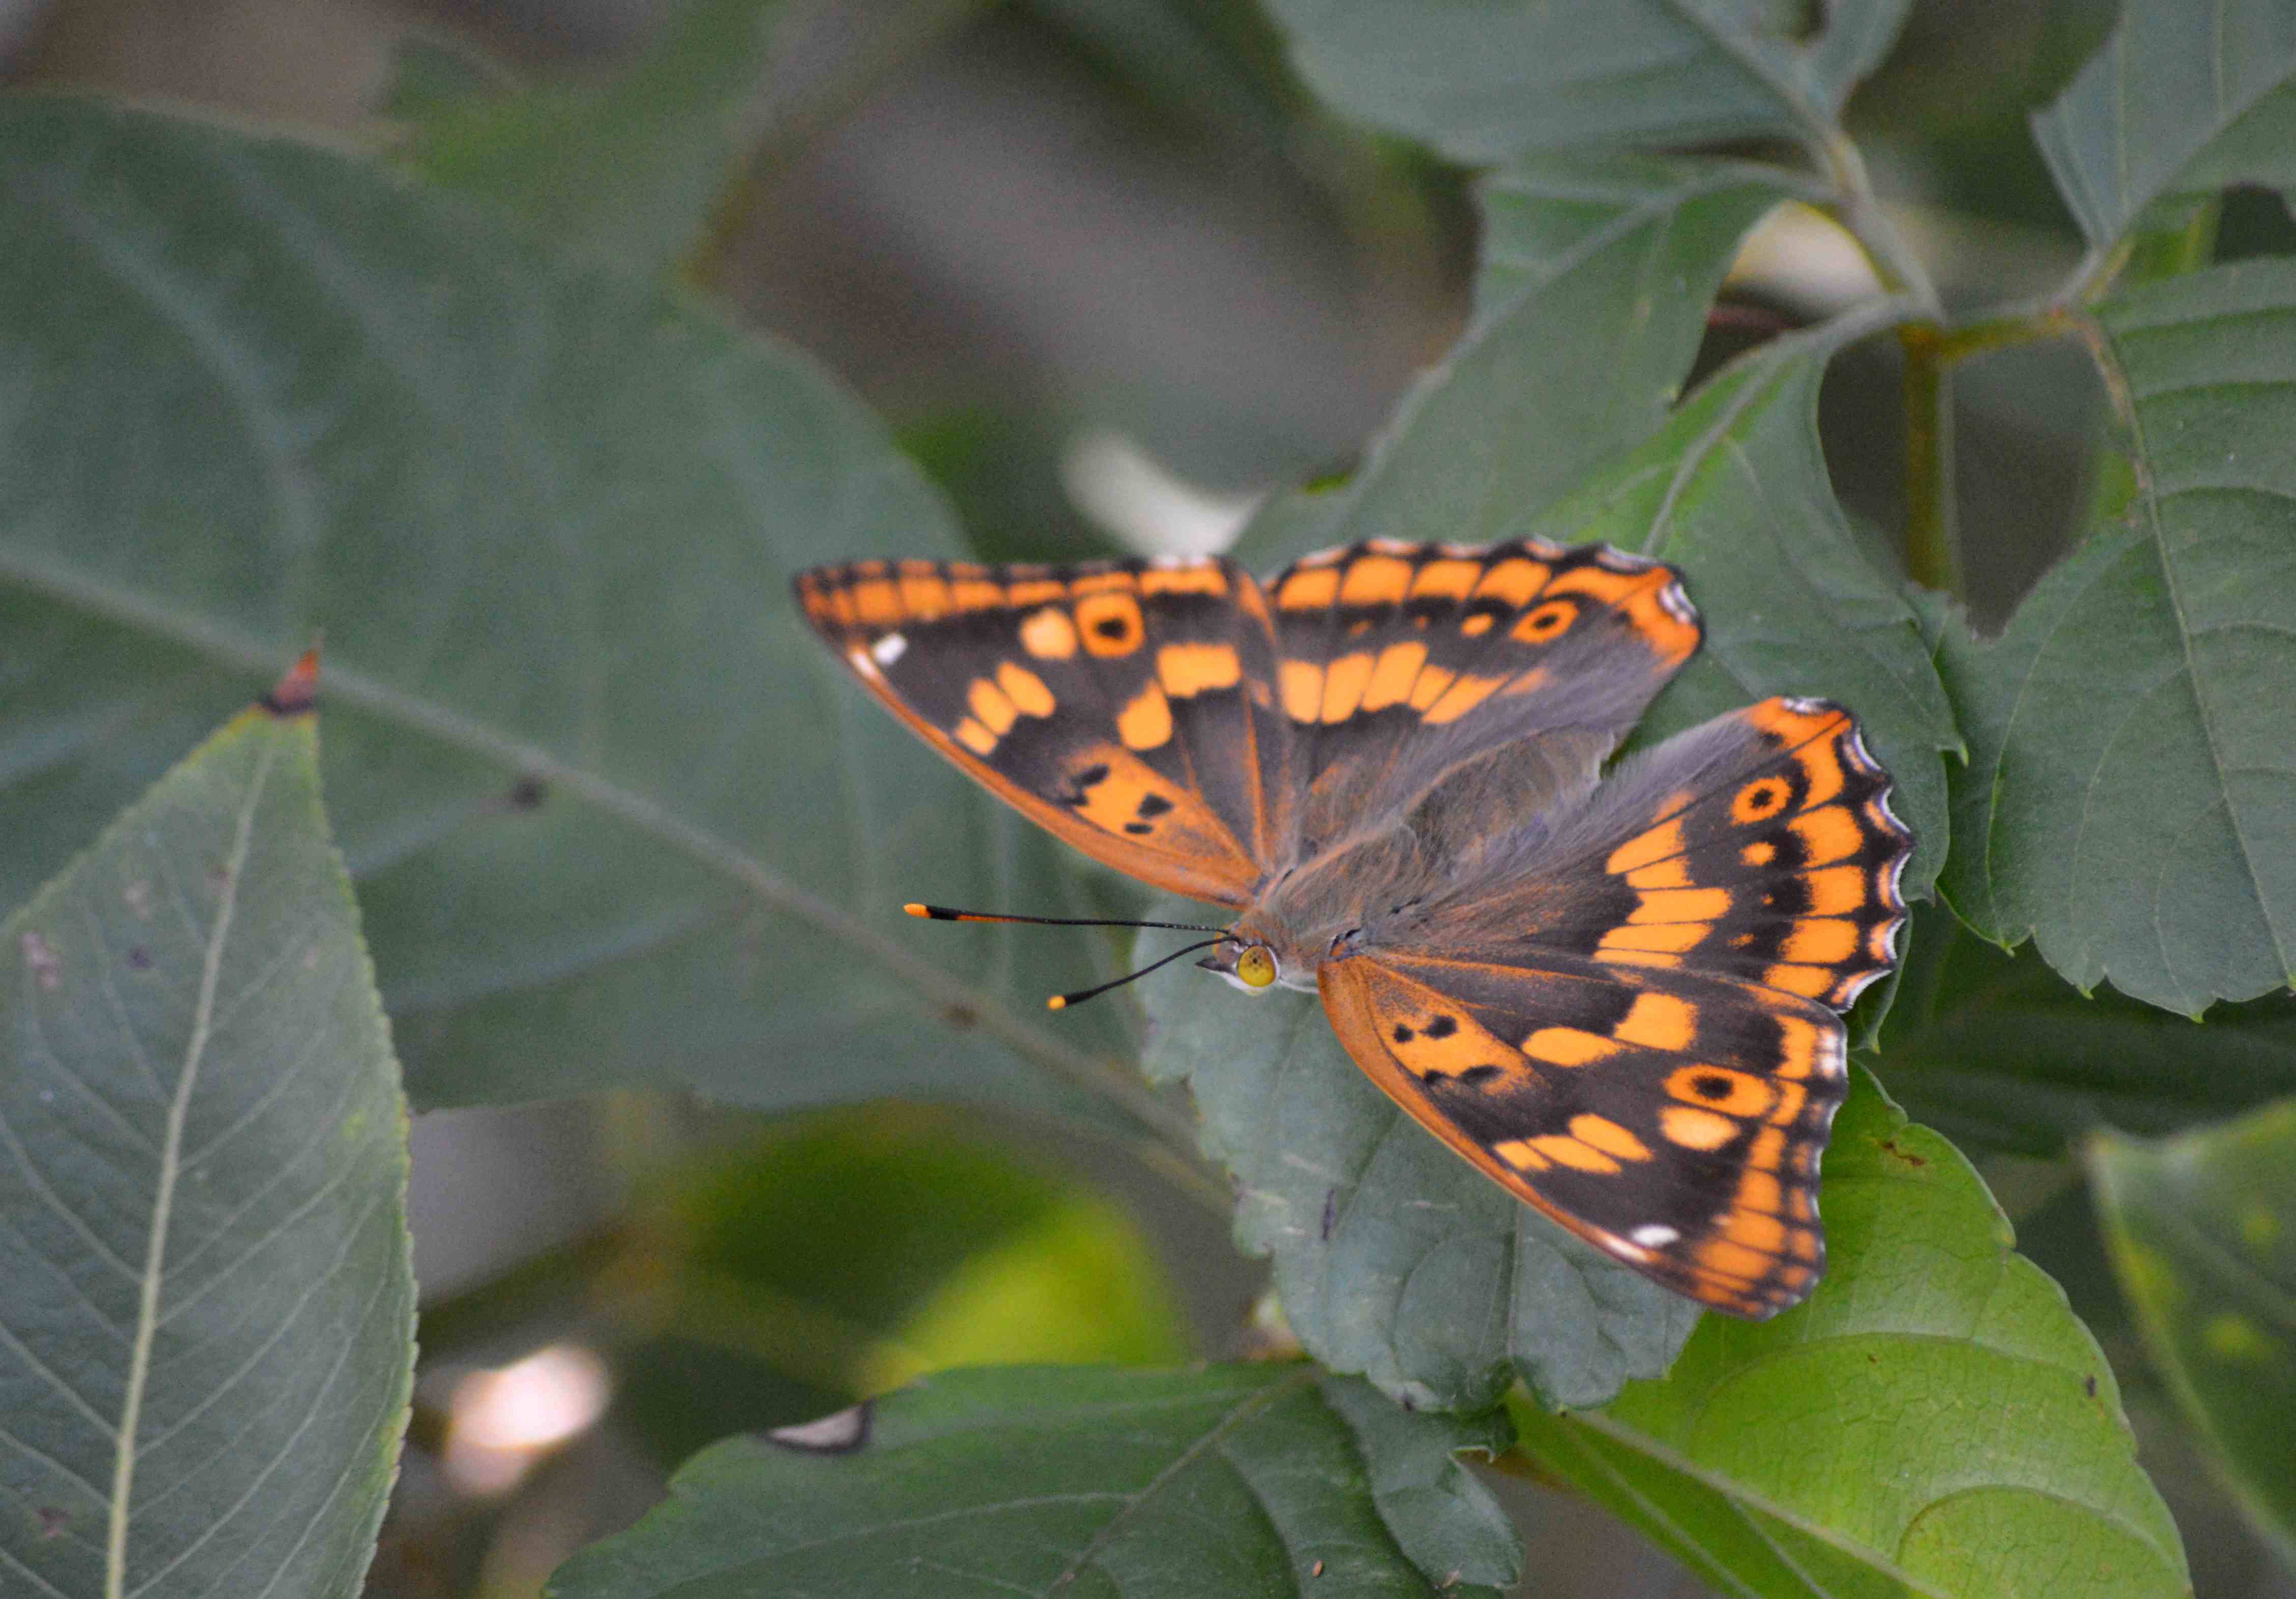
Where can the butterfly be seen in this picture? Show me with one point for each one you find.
(1616, 993)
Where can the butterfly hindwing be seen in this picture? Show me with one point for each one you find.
(1124, 704)
(1760, 846)
(1398, 660)
(1672, 1119)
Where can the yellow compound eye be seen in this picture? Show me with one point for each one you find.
(1255, 967)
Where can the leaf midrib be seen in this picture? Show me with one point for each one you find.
(719, 856)
(163, 1197)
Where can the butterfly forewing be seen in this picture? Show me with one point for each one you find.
(1397, 661)
(1124, 704)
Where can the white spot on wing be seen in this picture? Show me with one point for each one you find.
(1654, 1236)
(888, 649)
(863, 665)
(1676, 603)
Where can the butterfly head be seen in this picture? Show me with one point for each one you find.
(1249, 965)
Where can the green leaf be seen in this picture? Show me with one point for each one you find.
(2183, 100)
(1998, 1051)
(1392, 1257)
(1488, 83)
(2130, 797)
(1933, 1421)
(2202, 1232)
(207, 1307)
(626, 165)
(1734, 491)
(1596, 280)
(615, 816)
(1255, 1480)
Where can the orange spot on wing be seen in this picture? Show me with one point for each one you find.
(1206, 579)
(1724, 1258)
(1755, 1230)
(1374, 580)
(1657, 1021)
(1446, 580)
(1565, 1150)
(877, 602)
(926, 597)
(1828, 834)
(1025, 689)
(1146, 722)
(1720, 1088)
(1543, 624)
(1309, 590)
(1101, 583)
(1661, 843)
(1429, 688)
(1301, 683)
(1759, 800)
(1759, 1190)
(1391, 679)
(1820, 940)
(1512, 581)
(972, 594)
(1463, 696)
(1681, 904)
(1674, 872)
(1344, 680)
(992, 706)
(1109, 623)
(1518, 1153)
(1814, 982)
(1836, 891)
(1036, 593)
(1798, 1047)
(1603, 1134)
(1695, 1129)
(1759, 853)
(1568, 1046)
(1664, 937)
(1048, 634)
(1791, 1097)
(975, 737)
(1189, 668)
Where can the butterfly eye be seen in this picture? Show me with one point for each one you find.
(1255, 967)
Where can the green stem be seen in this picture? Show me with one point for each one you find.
(1932, 530)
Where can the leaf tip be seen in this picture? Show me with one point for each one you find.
(296, 693)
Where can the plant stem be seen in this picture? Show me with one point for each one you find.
(1932, 523)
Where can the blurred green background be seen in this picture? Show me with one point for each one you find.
(1111, 274)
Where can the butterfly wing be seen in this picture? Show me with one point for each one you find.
(1397, 660)
(1635, 1028)
(1124, 705)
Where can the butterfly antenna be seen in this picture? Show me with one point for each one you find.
(943, 913)
(1062, 1002)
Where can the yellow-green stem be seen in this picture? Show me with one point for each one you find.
(1932, 531)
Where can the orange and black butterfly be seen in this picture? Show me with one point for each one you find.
(1617, 994)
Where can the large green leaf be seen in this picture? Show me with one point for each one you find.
(2130, 797)
(627, 164)
(1996, 1050)
(2186, 97)
(1734, 491)
(1488, 82)
(2202, 1230)
(615, 816)
(1235, 1481)
(1934, 1421)
(1393, 1256)
(1596, 277)
(207, 1307)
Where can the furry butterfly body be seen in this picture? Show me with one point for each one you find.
(1617, 994)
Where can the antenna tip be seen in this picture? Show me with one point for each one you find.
(914, 909)
(1058, 1002)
